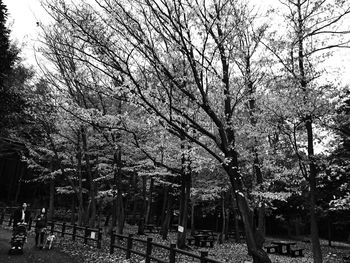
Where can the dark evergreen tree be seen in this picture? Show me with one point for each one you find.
(8, 54)
(13, 76)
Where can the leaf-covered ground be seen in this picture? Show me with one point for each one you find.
(226, 252)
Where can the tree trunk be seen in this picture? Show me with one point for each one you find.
(253, 241)
(186, 187)
(149, 202)
(52, 199)
(72, 219)
(164, 205)
(134, 207)
(236, 224)
(168, 215)
(223, 227)
(120, 213)
(80, 187)
(193, 204)
(91, 211)
(316, 247)
(141, 224)
(22, 169)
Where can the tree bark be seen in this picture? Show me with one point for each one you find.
(149, 202)
(22, 169)
(141, 224)
(183, 216)
(165, 204)
(193, 205)
(253, 242)
(168, 215)
(91, 211)
(316, 247)
(80, 186)
(52, 199)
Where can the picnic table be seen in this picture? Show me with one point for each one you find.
(206, 232)
(151, 228)
(281, 244)
(203, 240)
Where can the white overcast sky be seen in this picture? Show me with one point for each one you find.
(24, 15)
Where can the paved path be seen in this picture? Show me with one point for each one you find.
(31, 254)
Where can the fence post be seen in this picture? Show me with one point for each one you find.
(52, 227)
(74, 231)
(172, 253)
(63, 229)
(148, 250)
(99, 238)
(85, 234)
(204, 254)
(111, 247)
(129, 246)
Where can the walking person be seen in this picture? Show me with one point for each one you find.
(40, 228)
(21, 217)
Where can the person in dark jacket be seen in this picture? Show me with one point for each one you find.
(21, 215)
(40, 228)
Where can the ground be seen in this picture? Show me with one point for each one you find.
(67, 251)
(31, 254)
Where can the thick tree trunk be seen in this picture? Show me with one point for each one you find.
(168, 215)
(236, 225)
(149, 202)
(253, 241)
(120, 213)
(316, 247)
(164, 205)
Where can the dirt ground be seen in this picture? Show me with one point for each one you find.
(31, 253)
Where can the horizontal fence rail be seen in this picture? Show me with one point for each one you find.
(148, 247)
(84, 233)
(128, 243)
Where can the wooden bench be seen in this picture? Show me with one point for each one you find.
(295, 251)
(190, 240)
(269, 248)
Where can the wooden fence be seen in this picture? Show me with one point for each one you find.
(149, 245)
(8, 219)
(95, 235)
(84, 233)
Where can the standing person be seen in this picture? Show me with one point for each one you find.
(21, 215)
(40, 227)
